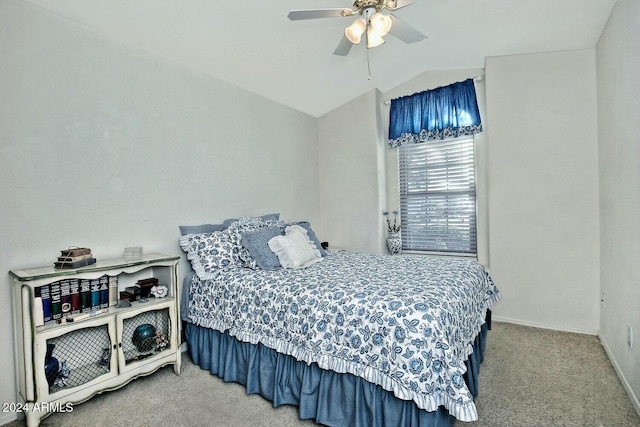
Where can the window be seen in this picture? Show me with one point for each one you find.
(438, 196)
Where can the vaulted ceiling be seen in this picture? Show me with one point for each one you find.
(252, 44)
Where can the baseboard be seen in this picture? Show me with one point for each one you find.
(544, 325)
(623, 379)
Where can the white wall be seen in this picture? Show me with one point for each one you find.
(350, 191)
(106, 146)
(543, 188)
(618, 58)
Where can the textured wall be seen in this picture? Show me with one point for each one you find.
(618, 56)
(543, 188)
(350, 192)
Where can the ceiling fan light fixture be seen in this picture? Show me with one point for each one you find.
(373, 39)
(368, 18)
(380, 23)
(354, 31)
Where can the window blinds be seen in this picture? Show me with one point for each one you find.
(438, 196)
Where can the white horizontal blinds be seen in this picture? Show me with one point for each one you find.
(438, 196)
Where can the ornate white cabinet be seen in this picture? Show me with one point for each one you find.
(62, 362)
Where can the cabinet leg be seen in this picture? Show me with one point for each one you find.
(178, 364)
(32, 418)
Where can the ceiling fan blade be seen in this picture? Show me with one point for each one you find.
(343, 47)
(401, 3)
(404, 31)
(296, 15)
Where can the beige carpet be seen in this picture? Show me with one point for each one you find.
(530, 377)
(537, 377)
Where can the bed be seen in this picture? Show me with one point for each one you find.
(351, 339)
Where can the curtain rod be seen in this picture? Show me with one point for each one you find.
(475, 79)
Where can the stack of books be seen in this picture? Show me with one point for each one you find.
(74, 258)
(141, 289)
(71, 296)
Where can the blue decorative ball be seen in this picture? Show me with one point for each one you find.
(144, 337)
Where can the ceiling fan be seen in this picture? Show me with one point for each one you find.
(369, 21)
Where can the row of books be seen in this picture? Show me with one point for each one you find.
(74, 258)
(73, 296)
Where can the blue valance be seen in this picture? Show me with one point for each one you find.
(445, 112)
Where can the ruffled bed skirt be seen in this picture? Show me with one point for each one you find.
(327, 397)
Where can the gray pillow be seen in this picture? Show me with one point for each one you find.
(199, 229)
(257, 243)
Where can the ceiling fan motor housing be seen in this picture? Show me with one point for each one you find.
(366, 8)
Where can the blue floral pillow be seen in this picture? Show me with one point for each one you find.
(199, 229)
(209, 228)
(210, 252)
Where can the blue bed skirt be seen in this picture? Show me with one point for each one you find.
(327, 397)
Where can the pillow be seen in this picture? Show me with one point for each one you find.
(210, 228)
(294, 249)
(257, 243)
(244, 225)
(312, 236)
(198, 229)
(267, 217)
(210, 252)
(271, 217)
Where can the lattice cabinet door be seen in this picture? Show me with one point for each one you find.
(74, 357)
(146, 334)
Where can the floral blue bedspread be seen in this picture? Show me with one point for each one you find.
(406, 323)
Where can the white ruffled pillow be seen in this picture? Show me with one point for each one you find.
(295, 249)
